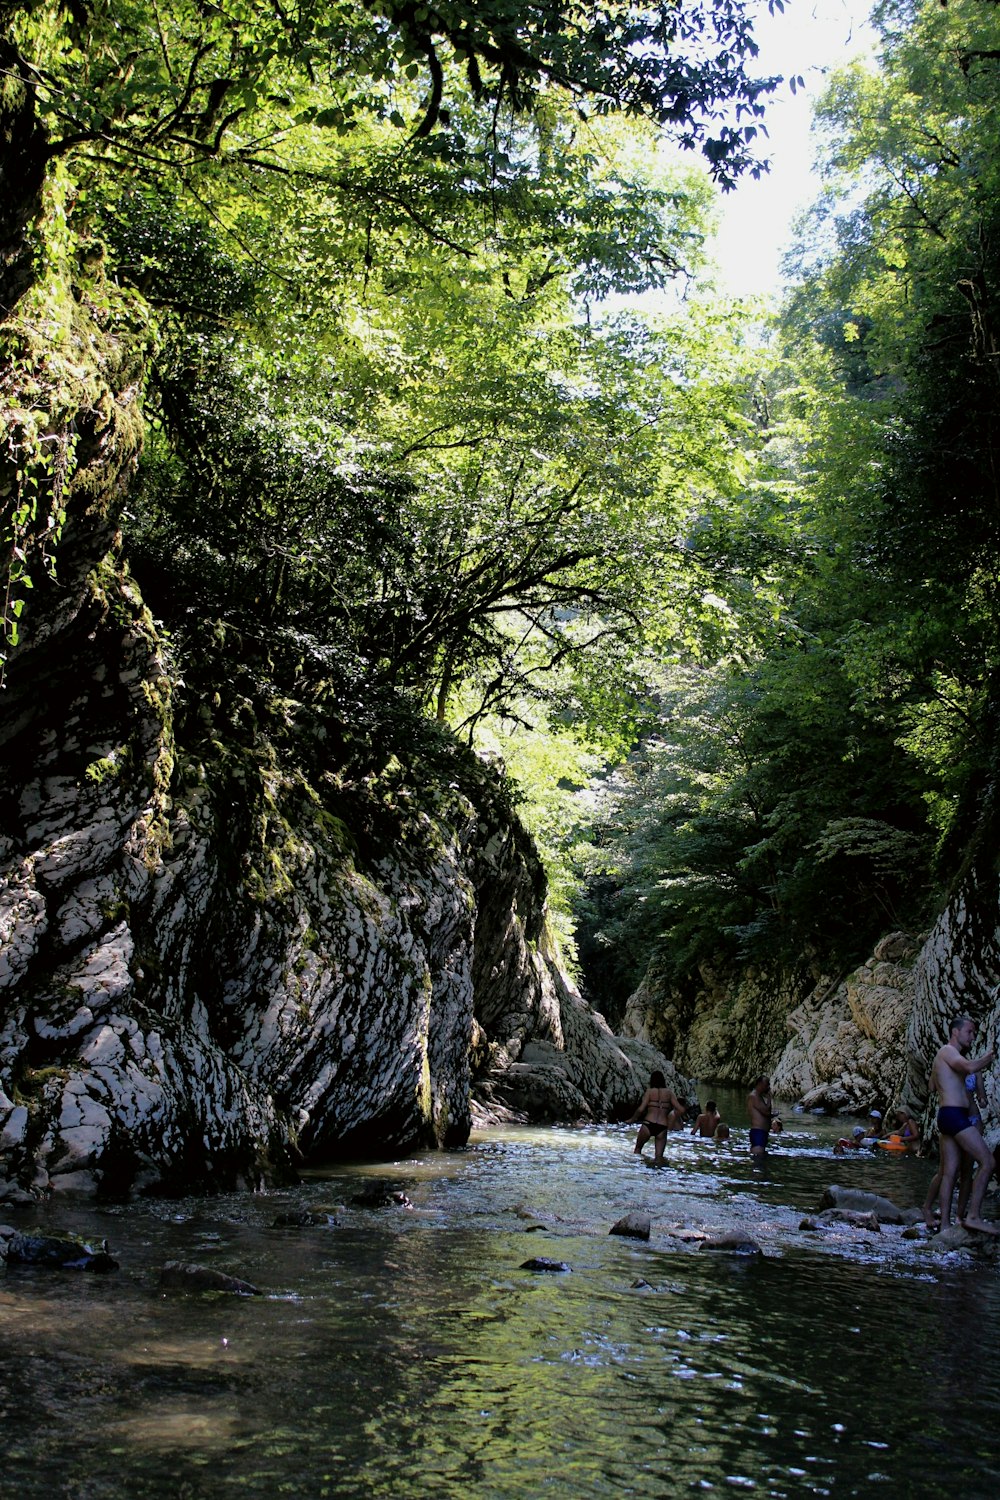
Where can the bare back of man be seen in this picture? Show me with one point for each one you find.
(959, 1136)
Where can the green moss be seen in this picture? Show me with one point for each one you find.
(71, 364)
(32, 1083)
(108, 768)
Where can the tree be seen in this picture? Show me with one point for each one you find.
(185, 84)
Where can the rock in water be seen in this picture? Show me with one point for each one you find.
(188, 1277)
(851, 1217)
(380, 1198)
(733, 1242)
(858, 1201)
(542, 1263)
(302, 1218)
(57, 1252)
(633, 1226)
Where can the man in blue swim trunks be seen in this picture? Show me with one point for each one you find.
(759, 1110)
(958, 1133)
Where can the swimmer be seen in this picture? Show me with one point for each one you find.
(906, 1127)
(704, 1126)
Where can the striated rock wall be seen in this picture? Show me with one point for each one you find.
(216, 961)
(728, 1027)
(848, 1050)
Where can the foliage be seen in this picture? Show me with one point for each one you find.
(822, 781)
(181, 85)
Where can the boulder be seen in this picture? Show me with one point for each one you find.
(858, 1201)
(302, 1218)
(952, 1238)
(542, 1263)
(376, 1197)
(851, 1217)
(632, 1226)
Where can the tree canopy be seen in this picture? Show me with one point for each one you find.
(823, 783)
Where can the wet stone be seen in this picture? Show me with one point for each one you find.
(542, 1263)
(56, 1252)
(732, 1242)
(851, 1218)
(856, 1200)
(633, 1226)
(189, 1277)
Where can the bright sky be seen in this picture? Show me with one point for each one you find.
(808, 39)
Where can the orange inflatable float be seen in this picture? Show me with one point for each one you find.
(895, 1143)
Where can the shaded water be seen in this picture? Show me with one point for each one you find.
(403, 1352)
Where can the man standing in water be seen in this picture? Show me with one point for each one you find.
(958, 1134)
(759, 1109)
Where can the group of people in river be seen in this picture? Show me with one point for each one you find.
(899, 1133)
(955, 1077)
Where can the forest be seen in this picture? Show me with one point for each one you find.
(715, 587)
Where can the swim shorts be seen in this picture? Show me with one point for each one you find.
(952, 1119)
(758, 1137)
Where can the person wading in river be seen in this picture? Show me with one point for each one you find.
(660, 1108)
(759, 1110)
(959, 1135)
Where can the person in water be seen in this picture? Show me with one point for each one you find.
(721, 1132)
(706, 1122)
(905, 1127)
(959, 1135)
(759, 1110)
(660, 1108)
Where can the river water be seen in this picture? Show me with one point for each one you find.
(402, 1351)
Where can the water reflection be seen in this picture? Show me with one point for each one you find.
(403, 1351)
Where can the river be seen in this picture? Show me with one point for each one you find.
(402, 1351)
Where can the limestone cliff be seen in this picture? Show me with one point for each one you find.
(848, 1046)
(727, 1026)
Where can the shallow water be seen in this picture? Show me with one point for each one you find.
(404, 1352)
